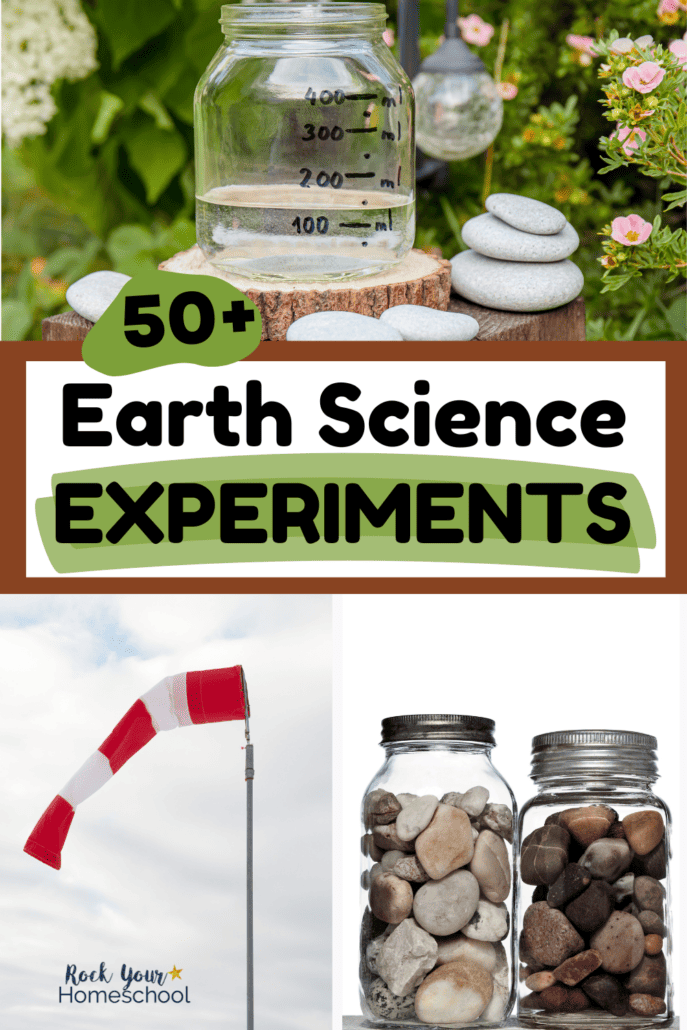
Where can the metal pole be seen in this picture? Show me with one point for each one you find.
(409, 35)
(250, 773)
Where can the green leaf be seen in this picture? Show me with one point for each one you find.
(110, 106)
(157, 110)
(676, 316)
(128, 24)
(157, 156)
(16, 319)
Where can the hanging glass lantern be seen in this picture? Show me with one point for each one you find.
(459, 110)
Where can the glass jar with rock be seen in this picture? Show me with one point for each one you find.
(594, 914)
(435, 940)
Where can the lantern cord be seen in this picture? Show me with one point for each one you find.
(451, 30)
(250, 773)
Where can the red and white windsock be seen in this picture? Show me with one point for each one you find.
(214, 695)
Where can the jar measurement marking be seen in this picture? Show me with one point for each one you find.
(336, 96)
(364, 130)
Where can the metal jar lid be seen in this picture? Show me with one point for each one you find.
(438, 727)
(615, 753)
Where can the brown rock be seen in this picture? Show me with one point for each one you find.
(649, 895)
(607, 992)
(653, 943)
(649, 977)
(620, 943)
(540, 981)
(646, 1005)
(644, 830)
(391, 899)
(368, 847)
(548, 936)
(490, 866)
(616, 831)
(544, 854)
(593, 907)
(569, 885)
(540, 893)
(587, 824)
(380, 807)
(607, 859)
(456, 992)
(562, 999)
(446, 844)
(653, 864)
(385, 838)
(530, 1001)
(575, 969)
(553, 819)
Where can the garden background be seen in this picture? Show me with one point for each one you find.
(109, 182)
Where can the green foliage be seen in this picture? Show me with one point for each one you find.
(110, 184)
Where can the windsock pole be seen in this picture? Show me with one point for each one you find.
(250, 773)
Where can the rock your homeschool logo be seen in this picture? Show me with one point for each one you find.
(78, 987)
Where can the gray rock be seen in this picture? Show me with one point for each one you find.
(415, 816)
(624, 887)
(386, 1005)
(497, 1006)
(498, 818)
(490, 922)
(415, 322)
(649, 895)
(452, 798)
(93, 294)
(368, 847)
(512, 286)
(444, 906)
(406, 956)
(404, 799)
(620, 942)
(374, 948)
(526, 214)
(652, 923)
(376, 869)
(474, 800)
(409, 868)
(386, 839)
(389, 859)
(490, 866)
(488, 235)
(607, 859)
(340, 325)
(380, 807)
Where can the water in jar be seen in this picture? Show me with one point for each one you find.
(305, 145)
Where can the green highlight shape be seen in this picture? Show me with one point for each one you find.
(197, 319)
(377, 474)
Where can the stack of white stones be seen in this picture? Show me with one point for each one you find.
(518, 260)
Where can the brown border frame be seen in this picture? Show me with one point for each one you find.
(13, 518)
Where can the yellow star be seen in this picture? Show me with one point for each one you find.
(175, 973)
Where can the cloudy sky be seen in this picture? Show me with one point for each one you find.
(153, 871)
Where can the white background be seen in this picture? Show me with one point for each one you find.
(638, 386)
(532, 663)
(153, 869)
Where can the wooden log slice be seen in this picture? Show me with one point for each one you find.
(67, 326)
(564, 323)
(419, 279)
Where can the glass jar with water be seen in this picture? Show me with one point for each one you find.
(305, 151)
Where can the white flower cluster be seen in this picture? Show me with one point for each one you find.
(42, 41)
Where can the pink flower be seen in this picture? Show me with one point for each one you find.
(506, 90)
(632, 138)
(583, 43)
(679, 48)
(388, 37)
(474, 30)
(645, 77)
(631, 230)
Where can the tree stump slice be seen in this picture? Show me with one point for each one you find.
(419, 279)
(67, 326)
(564, 323)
